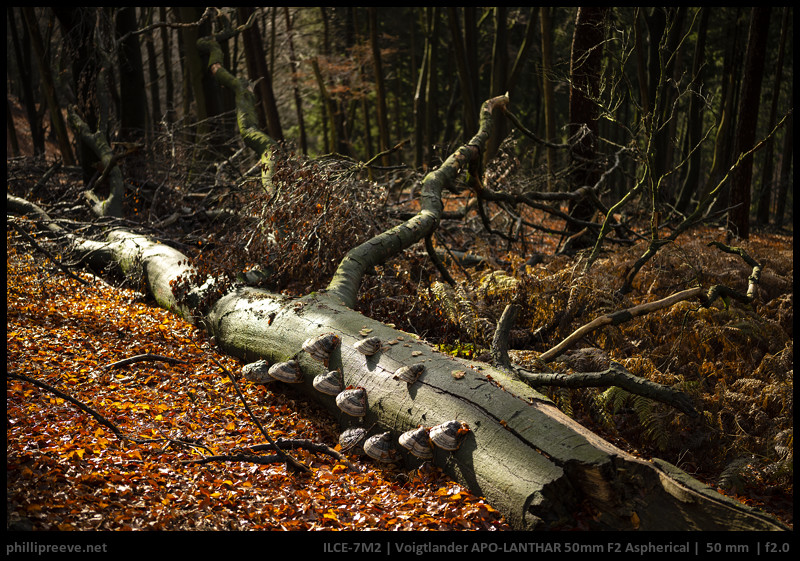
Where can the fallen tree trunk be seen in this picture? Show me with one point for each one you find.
(530, 460)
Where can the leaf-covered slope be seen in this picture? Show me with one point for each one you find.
(66, 471)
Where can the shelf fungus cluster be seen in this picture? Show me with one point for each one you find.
(321, 346)
(420, 441)
(368, 346)
(261, 372)
(409, 374)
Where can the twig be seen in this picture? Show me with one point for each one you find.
(47, 254)
(379, 155)
(615, 375)
(83, 407)
(616, 318)
(438, 262)
(143, 358)
(290, 461)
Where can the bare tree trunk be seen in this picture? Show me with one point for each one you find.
(785, 174)
(380, 88)
(298, 101)
(766, 187)
(739, 212)
(48, 87)
(585, 60)
(547, 88)
(419, 105)
(694, 123)
(169, 91)
(499, 77)
(464, 68)
(133, 102)
(22, 55)
(259, 73)
(152, 69)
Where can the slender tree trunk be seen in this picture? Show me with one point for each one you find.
(499, 77)
(670, 65)
(152, 67)
(739, 205)
(766, 187)
(723, 152)
(169, 86)
(585, 68)
(785, 180)
(471, 50)
(547, 89)
(380, 88)
(695, 120)
(464, 69)
(524, 49)
(432, 84)
(298, 100)
(133, 102)
(258, 71)
(193, 77)
(22, 56)
(419, 107)
(48, 86)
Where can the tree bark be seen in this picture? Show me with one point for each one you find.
(585, 60)
(464, 68)
(380, 88)
(48, 86)
(298, 100)
(259, 72)
(133, 102)
(785, 174)
(22, 56)
(547, 89)
(766, 187)
(166, 49)
(740, 196)
(694, 125)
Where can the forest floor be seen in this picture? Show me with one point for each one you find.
(65, 471)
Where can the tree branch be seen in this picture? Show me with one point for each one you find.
(143, 358)
(347, 279)
(615, 375)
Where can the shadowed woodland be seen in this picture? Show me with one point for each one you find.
(593, 204)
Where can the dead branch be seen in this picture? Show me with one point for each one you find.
(291, 463)
(144, 358)
(86, 409)
(252, 458)
(616, 318)
(46, 253)
(615, 375)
